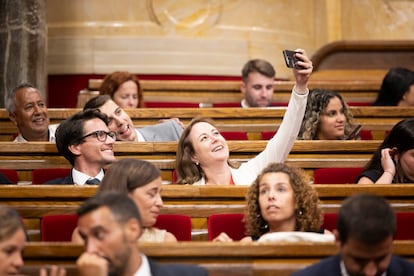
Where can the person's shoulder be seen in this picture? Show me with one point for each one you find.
(176, 269)
(327, 266)
(400, 266)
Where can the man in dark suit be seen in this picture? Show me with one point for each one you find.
(110, 225)
(365, 232)
(86, 142)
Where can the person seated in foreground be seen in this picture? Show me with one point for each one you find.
(327, 117)
(281, 199)
(13, 239)
(365, 232)
(110, 226)
(142, 181)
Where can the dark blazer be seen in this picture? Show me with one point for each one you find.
(62, 180)
(4, 179)
(176, 269)
(169, 130)
(331, 266)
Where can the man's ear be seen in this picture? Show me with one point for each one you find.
(337, 238)
(75, 149)
(133, 230)
(12, 118)
(243, 88)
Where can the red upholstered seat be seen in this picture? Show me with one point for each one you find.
(11, 175)
(41, 176)
(171, 104)
(336, 175)
(234, 135)
(267, 135)
(329, 221)
(405, 226)
(178, 225)
(231, 224)
(58, 228)
(366, 134)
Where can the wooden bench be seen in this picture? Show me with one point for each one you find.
(226, 259)
(209, 92)
(252, 120)
(24, 157)
(198, 202)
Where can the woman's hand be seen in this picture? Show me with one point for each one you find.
(223, 237)
(302, 74)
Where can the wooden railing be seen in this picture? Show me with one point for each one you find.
(223, 259)
(198, 202)
(251, 120)
(24, 157)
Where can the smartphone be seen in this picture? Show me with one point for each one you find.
(354, 134)
(290, 59)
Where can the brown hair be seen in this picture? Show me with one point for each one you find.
(10, 222)
(113, 81)
(128, 174)
(308, 215)
(187, 171)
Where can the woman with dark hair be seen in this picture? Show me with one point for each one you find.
(327, 117)
(393, 161)
(141, 180)
(124, 89)
(281, 199)
(397, 88)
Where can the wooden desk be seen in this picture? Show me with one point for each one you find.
(198, 202)
(224, 259)
(308, 155)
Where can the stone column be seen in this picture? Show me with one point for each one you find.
(23, 45)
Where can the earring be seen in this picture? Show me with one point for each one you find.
(300, 213)
(197, 163)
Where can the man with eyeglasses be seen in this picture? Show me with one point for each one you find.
(86, 142)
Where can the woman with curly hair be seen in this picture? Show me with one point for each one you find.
(281, 199)
(124, 89)
(327, 117)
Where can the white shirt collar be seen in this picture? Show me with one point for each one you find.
(144, 268)
(244, 103)
(79, 178)
(140, 138)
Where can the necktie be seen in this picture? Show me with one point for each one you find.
(92, 181)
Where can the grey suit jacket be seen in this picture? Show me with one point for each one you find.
(166, 131)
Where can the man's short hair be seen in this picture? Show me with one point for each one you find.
(119, 203)
(11, 96)
(97, 102)
(260, 66)
(366, 218)
(70, 131)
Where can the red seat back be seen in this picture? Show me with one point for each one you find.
(336, 175)
(11, 175)
(58, 228)
(41, 176)
(329, 221)
(178, 225)
(405, 226)
(234, 135)
(231, 224)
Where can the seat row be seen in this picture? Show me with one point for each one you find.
(320, 176)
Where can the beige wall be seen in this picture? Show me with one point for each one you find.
(213, 37)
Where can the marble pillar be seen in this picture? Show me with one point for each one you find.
(23, 45)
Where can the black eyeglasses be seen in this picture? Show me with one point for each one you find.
(101, 135)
